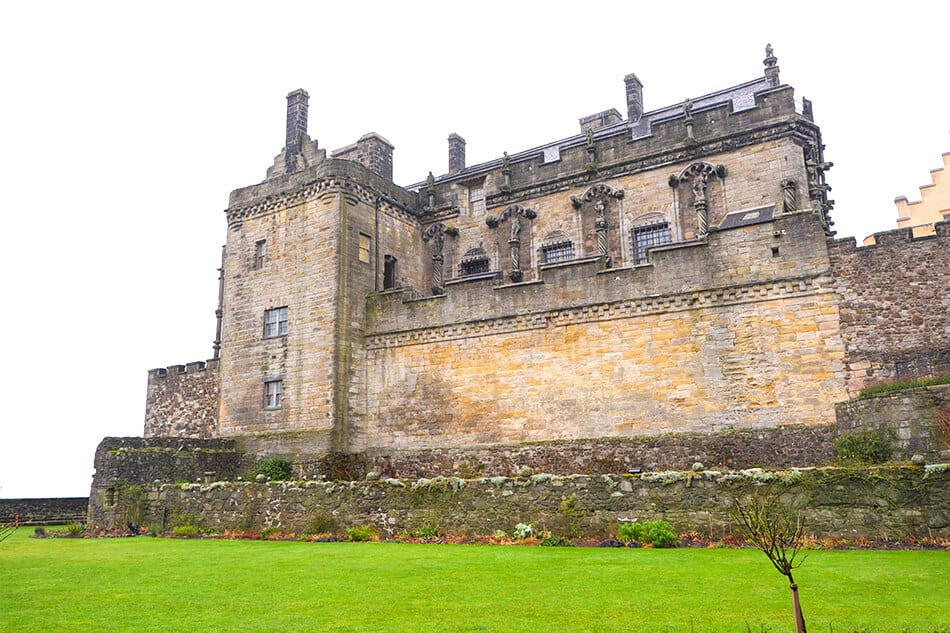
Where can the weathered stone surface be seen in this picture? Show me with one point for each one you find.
(911, 414)
(43, 511)
(895, 305)
(182, 401)
(837, 503)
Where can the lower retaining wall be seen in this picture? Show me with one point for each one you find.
(912, 414)
(842, 503)
(44, 511)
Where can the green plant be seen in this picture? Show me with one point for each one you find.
(523, 531)
(275, 469)
(74, 529)
(268, 532)
(185, 530)
(900, 385)
(426, 531)
(320, 522)
(870, 447)
(556, 541)
(362, 533)
(568, 508)
(654, 533)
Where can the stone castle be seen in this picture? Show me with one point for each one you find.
(661, 287)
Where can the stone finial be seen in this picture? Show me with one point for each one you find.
(634, 97)
(771, 65)
(456, 153)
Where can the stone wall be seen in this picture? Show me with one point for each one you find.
(182, 401)
(711, 336)
(838, 503)
(912, 414)
(895, 305)
(50, 511)
(121, 462)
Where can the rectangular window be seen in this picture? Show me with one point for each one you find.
(474, 266)
(476, 200)
(275, 322)
(260, 254)
(645, 237)
(389, 272)
(364, 248)
(559, 252)
(273, 393)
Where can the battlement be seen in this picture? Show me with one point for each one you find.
(188, 368)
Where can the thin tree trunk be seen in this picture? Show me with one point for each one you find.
(799, 617)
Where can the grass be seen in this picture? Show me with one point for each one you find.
(900, 385)
(150, 585)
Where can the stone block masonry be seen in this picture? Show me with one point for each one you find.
(182, 401)
(890, 503)
(895, 305)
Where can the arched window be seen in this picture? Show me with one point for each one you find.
(474, 261)
(556, 247)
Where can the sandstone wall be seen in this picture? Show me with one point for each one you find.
(182, 401)
(710, 336)
(895, 305)
(839, 503)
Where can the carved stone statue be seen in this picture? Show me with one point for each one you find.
(515, 228)
(688, 109)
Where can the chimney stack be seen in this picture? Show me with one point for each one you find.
(296, 121)
(634, 98)
(456, 153)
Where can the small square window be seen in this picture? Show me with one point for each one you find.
(273, 393)
(260, 254)
(275, 322)
(364, 248)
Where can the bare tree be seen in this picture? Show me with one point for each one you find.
(776, 529)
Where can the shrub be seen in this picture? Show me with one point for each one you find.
(655, 533)
(868, 447)
(523, 531)
(320, 522)
(426, 531)
(556, 541)
(74, 529)
(362, 533)
(275, 469)
(185, 530)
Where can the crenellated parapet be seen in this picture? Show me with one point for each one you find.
(182, 400)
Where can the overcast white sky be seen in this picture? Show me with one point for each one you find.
(124, 127)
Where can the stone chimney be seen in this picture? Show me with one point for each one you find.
(373, 152)
(634, 98)
(456, 153)
(297, 106)
(599, 120)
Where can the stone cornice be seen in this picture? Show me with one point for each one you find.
(620, 309)
(316, 188)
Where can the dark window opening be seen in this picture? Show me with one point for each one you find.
(389, 272)
(474, 261)
(645, 237)
(557, 252)
(260, 254)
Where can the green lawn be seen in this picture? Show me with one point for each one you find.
(145, 584)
